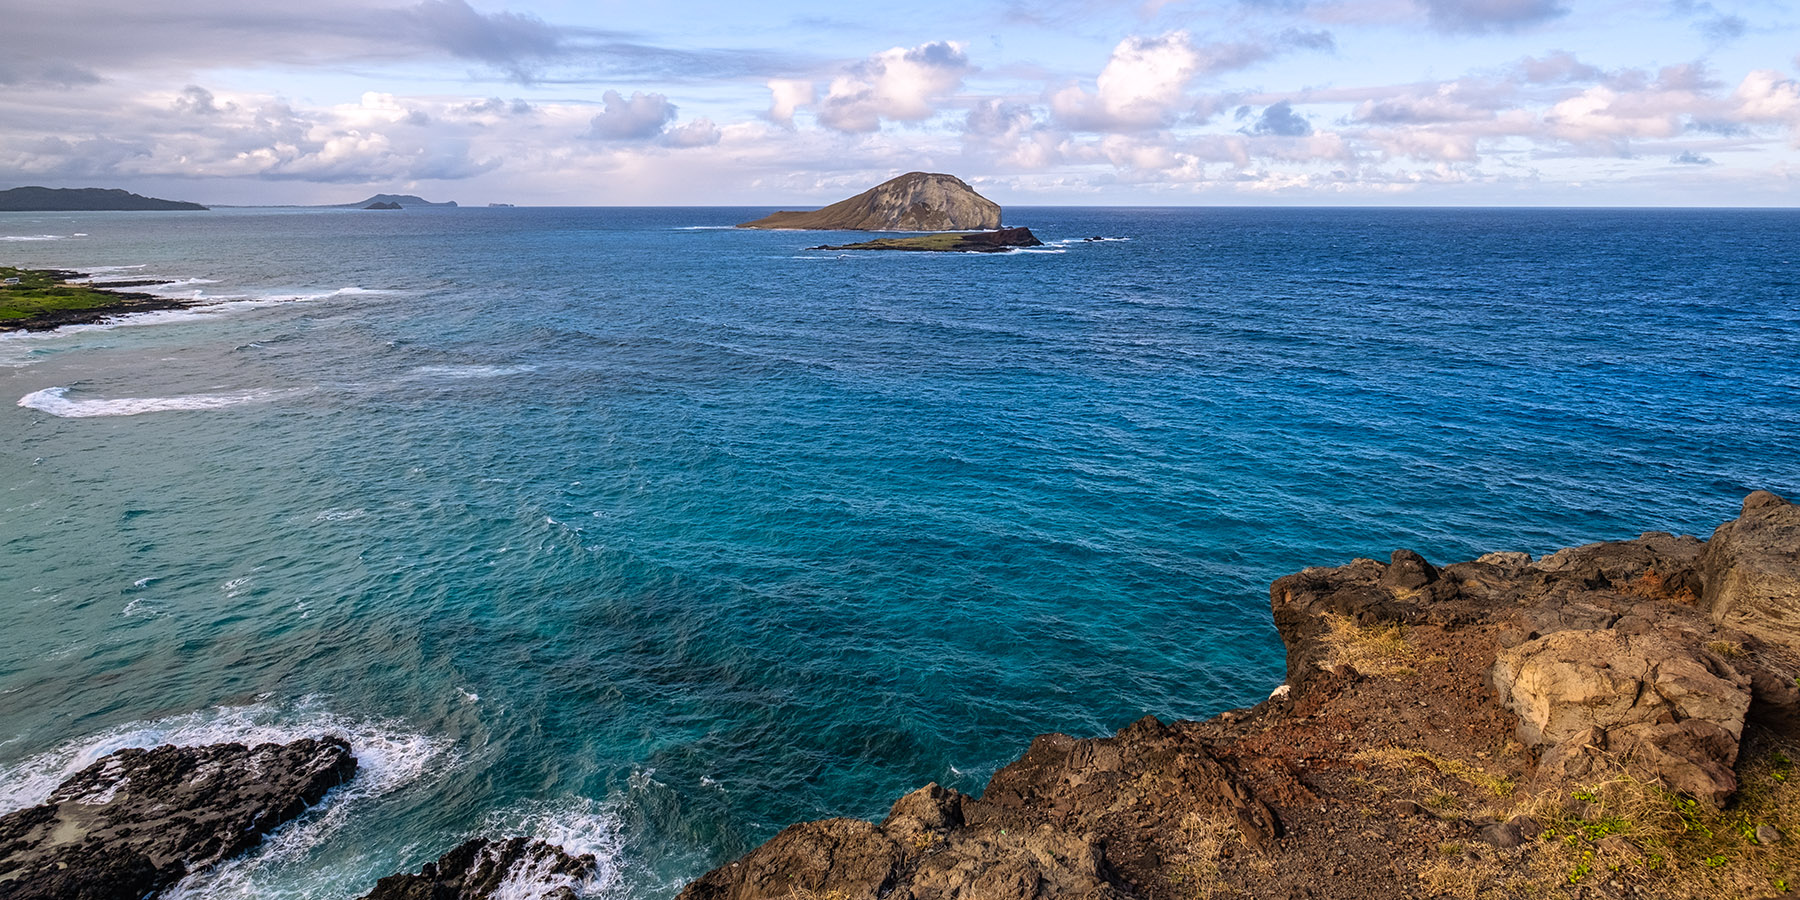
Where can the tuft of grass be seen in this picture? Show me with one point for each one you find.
(1726, 648)
(1369, 649)
(1401, 758)
(1204, 837)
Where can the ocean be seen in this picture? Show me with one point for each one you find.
(648, 536)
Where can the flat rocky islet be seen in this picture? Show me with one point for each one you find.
(997, 241)
(43, 299)
(1620, 719)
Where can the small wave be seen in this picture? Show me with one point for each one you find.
(1048, 248)
(704, 228)
(53, 401)
(20, 238)
(576, 824)
(340, 515)
(471, 371)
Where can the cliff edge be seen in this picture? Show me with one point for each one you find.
(916, 201)
(1615, 720)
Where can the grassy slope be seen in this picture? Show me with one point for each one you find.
(38, 292)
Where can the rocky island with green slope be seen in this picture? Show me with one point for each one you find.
(916, 201)
(43, 199)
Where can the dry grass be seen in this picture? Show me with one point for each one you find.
(1204, 837)
(1369, 649)
(1401, 758)
(1667, 846)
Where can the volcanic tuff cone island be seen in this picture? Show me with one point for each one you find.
(916, 201)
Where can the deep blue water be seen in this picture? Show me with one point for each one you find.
(652, 537)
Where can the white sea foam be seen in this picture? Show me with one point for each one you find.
(55, 402)
(471, 371)
(576, 824)
(706, 228)
(20, 238)
(389, 757)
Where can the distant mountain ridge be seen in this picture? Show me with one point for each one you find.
(916, 201)
(403, 201)
(43, 199)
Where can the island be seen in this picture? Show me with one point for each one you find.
(916, 201)
(398, 201)
(997, 241)
(42, 299)
(43, 199)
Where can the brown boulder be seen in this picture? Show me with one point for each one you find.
(1751, 571)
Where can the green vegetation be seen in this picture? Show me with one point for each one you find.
(39, 292)
(1669, 846)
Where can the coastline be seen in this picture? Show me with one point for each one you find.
(49, 300)
(1619, 719)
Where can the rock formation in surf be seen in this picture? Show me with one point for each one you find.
(916, 201)
(1614, 720)
(137, 821)
(480, 869)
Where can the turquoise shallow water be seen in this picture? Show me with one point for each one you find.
(650, 536)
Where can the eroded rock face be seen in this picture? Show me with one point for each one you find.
(916, 201)
(492, 870)
(1669, 707)
(1751, 570)
(137, 821)
(1072, 819)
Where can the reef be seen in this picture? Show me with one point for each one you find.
(137, 821)
(1614, 720)
(997, 241)
(916, 201)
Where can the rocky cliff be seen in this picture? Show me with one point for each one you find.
(1614, 720)
(916, 201)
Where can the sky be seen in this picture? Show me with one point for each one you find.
(798, 103)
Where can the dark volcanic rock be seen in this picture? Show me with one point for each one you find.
(916, 201)
(1496, 691)
(975, 242)
(137, 821)
(478, 869)
(383, 205)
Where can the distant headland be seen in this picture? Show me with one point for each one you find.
(916, 201)
(43, 199)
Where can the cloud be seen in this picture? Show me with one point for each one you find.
(196, 100)
(1141, 87)
(698, 133)
(787, 95)
(1448, 103)
(1690, 158)
(1560, 67)
(1279, 119)
(508, 40)
(639, 118)
(1481, 16)
(900, 84)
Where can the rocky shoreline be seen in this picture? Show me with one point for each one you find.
(1620, 719)
(93, 302)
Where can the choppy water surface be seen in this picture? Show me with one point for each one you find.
(650, 537)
